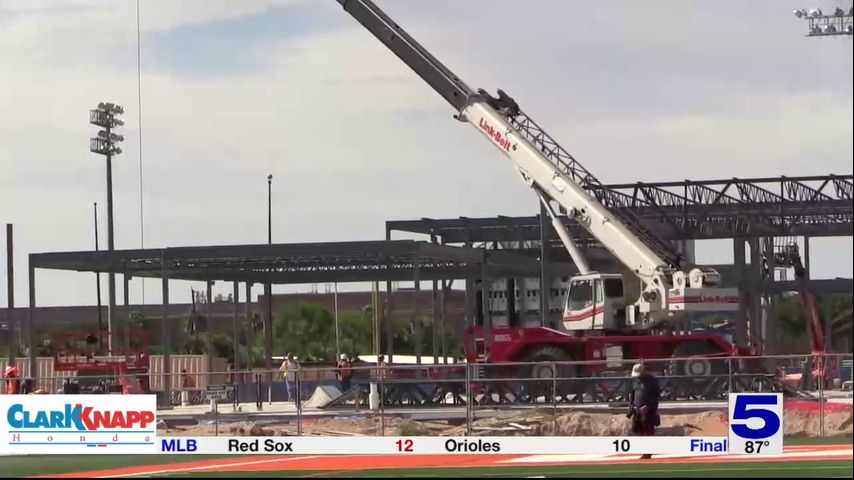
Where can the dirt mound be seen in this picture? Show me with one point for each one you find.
(580, 424)
(797, 423)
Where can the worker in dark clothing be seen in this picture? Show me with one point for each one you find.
(643, 403)
(344, 372)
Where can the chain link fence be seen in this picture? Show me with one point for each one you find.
(539, 398)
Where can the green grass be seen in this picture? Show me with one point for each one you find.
(818, 440)
(48, 464)
(808, 469)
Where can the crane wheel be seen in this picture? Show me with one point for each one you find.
(540, 386)
(702, 377)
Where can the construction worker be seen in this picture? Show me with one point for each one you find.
(187, 380)
(289, 368)
(13, 383)
(345, 372)
(643, 403)
(382, 372)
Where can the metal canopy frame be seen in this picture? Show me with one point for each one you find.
(371, 261)
(688, 210)
(296, 263)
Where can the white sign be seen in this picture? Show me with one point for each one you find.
(218, 392)
(686, 446)
(75, 424)
(756, 423)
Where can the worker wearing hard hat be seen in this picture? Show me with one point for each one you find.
(13, 383)
(345, 372)
(643, 402)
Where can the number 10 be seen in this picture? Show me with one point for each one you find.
(622, 445)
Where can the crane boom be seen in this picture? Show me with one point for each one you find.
(542, 163)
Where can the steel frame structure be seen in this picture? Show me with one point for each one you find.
(375, 261)
(813, 206)
(295, 263)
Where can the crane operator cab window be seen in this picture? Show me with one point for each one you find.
(580, 295)
(584, 293)
(614, 287)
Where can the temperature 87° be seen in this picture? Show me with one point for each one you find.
(755, 446)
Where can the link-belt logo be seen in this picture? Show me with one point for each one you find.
(77, 418)
(675, 298)
(496, 135)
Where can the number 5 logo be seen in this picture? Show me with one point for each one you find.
(750, 406)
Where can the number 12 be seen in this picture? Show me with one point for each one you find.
(404, 445)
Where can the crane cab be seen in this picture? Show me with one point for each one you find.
(595, 302)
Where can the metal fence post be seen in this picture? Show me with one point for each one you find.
(554, 399)
(822, 374)
(382, 372)
(729, 374)
(468, 400)
(298, 400)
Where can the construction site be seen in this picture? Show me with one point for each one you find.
(501, 325)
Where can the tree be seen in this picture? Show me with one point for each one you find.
(794, 328)
(308, 331)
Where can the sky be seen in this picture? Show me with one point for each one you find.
(234, 90)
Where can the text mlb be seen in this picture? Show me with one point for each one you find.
(234, 445)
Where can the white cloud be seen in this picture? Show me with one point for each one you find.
(351, 135)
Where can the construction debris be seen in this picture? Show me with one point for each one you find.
(526, 423)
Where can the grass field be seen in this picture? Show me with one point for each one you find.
(355, 466)
(811, 469)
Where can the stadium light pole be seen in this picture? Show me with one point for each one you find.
(268, 325)
(106, 115)
(98, 283)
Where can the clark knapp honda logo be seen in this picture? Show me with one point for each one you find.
(54, 421)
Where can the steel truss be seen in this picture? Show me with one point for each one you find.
(706, 209)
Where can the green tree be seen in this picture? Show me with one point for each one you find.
(308, 331)
(794, 327)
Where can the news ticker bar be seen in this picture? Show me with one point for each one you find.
(395, 445)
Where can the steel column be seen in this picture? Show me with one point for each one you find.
(234, 322)
(268, 336)
(31, 337)
(250, 330)
(545, 281)
(126, 314)
(739, 258)
(166, 329)
(416, 315)
(12, 328)
(434, 323)
(209, 324)
(487, 315)
(387, 319)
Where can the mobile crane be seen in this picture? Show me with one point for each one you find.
(598, 321)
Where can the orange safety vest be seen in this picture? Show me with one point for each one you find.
(12, 385)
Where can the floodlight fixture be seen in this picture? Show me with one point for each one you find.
(840, 23)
